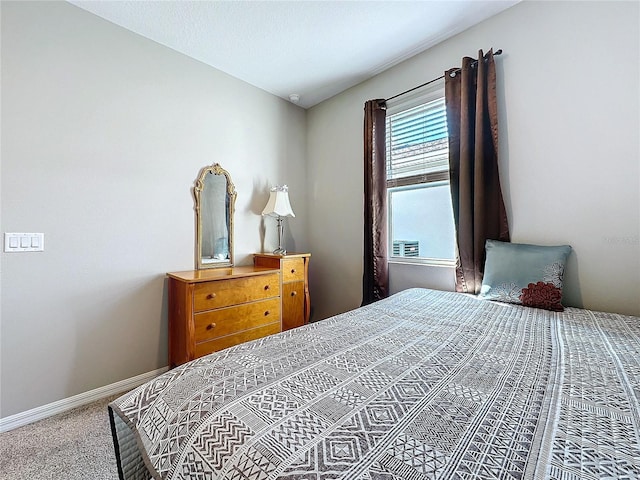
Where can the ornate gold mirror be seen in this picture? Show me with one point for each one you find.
(215, 197)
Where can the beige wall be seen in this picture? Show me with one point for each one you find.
(569, 93)
(103, 135)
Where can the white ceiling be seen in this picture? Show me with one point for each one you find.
(312, 48)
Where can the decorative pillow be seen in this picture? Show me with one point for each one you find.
(529, 275)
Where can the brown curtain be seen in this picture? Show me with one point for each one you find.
(375, 281)
(478, 207)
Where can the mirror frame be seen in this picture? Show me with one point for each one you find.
(214, 169)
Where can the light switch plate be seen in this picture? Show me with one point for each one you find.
(23, 242)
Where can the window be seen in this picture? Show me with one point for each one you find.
(421, 228)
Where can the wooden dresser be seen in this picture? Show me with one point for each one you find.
(213, 309)
(296, 306)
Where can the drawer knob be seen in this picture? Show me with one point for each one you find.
(293, 270)
(266, 287)
(293, 294)
(211, 296)
(266, 313)
(211, 326)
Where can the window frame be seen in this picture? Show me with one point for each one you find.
(438, 178)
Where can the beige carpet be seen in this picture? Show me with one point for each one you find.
(75, 445)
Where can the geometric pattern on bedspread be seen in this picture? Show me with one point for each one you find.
(421, 385)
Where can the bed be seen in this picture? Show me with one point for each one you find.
(424, 384)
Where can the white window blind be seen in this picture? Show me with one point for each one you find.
(417, 145)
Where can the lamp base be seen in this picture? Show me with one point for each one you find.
(280, 250)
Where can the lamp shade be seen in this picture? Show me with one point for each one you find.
(278, 204)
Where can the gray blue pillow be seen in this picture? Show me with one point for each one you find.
(530, 275)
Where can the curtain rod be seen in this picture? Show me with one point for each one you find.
(497, 52)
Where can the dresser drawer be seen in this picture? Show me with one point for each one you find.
(293, 305)
(216, 294)
(204, 348)
(227, 321)
(292, 269)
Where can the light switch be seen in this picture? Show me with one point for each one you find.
(23, 242)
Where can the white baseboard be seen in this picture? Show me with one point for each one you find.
(39, 413)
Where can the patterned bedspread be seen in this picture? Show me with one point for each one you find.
(422, 385)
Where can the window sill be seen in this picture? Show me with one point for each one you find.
(426, 262)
